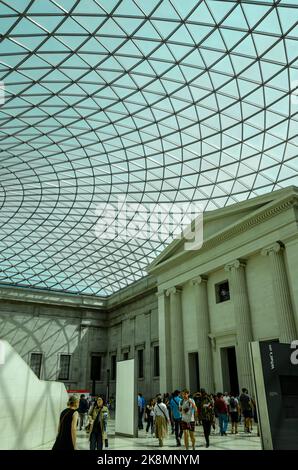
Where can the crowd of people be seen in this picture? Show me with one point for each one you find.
(182, 411)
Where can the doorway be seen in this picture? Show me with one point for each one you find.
(229, 370)
(193, 367)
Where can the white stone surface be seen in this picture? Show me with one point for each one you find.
(126, 401)
(29, 407)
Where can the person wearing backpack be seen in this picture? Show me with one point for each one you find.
(234, 413)
(246, 408)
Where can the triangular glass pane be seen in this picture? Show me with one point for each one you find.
(182, 36)
(201, 14)
(48, 23)
(232, 37)
(254, 13)
(219, 9)
(236, 18)
(264, 42)
(199, 32)
(210, 57)
(165, 10)
(215, 41)
(128, 25)
(270, 24)
(277, 53)
(287, 17)
(164, 28)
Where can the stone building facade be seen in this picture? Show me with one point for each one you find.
(241, 286)
(189, 323)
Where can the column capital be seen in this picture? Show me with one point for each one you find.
(274, 248)
(160, 293)
(199, 280)
(213, 341)
(236, 264)
(173, 290)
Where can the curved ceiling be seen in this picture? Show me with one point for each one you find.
(152, 101)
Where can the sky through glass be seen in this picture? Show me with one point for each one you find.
(152, 101)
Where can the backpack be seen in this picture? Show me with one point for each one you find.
(232, 403)
(245, 402)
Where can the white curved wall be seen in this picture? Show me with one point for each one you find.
(29, 407)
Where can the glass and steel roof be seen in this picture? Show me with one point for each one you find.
(156, 101)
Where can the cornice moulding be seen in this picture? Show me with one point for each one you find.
(248, 222)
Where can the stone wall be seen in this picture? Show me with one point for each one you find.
(127, 323)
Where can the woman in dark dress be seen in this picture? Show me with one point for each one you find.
(67, 431)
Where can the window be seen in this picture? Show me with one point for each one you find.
(156, 361)
(125, 356)
(113, 367)
(140, 363)
(64, 367)
(95, 368)
(222, 292)
(35, 363)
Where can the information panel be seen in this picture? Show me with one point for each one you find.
(276, 384)
(126, 399)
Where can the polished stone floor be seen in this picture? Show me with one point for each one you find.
(144, 441)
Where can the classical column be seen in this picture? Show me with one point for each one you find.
(239, 296)
(281, 292)
(147, 353)
(177, 339)
(203, 330)
(164, 334)
(84, 356)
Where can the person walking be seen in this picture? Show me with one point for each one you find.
(234, 410)
(149, 416)
(98, 429)
(188, 409)
(83, 410)
(175, 403)
(67, 430)
(206, 414)
(222, 412)
(246, 408)
(141, 408)
(161, 420)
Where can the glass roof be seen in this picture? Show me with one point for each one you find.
(156, 101)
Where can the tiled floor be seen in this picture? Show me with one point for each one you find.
(241, 441)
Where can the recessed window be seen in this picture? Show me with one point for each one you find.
(125, 356)
(156, 361)
(35, 363)
(113, 367)
(222, 291)
(64, 367)
(95, 368)
(140, 363)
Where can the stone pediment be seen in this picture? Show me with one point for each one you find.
(225, 219)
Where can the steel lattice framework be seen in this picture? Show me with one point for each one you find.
(156, 100)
